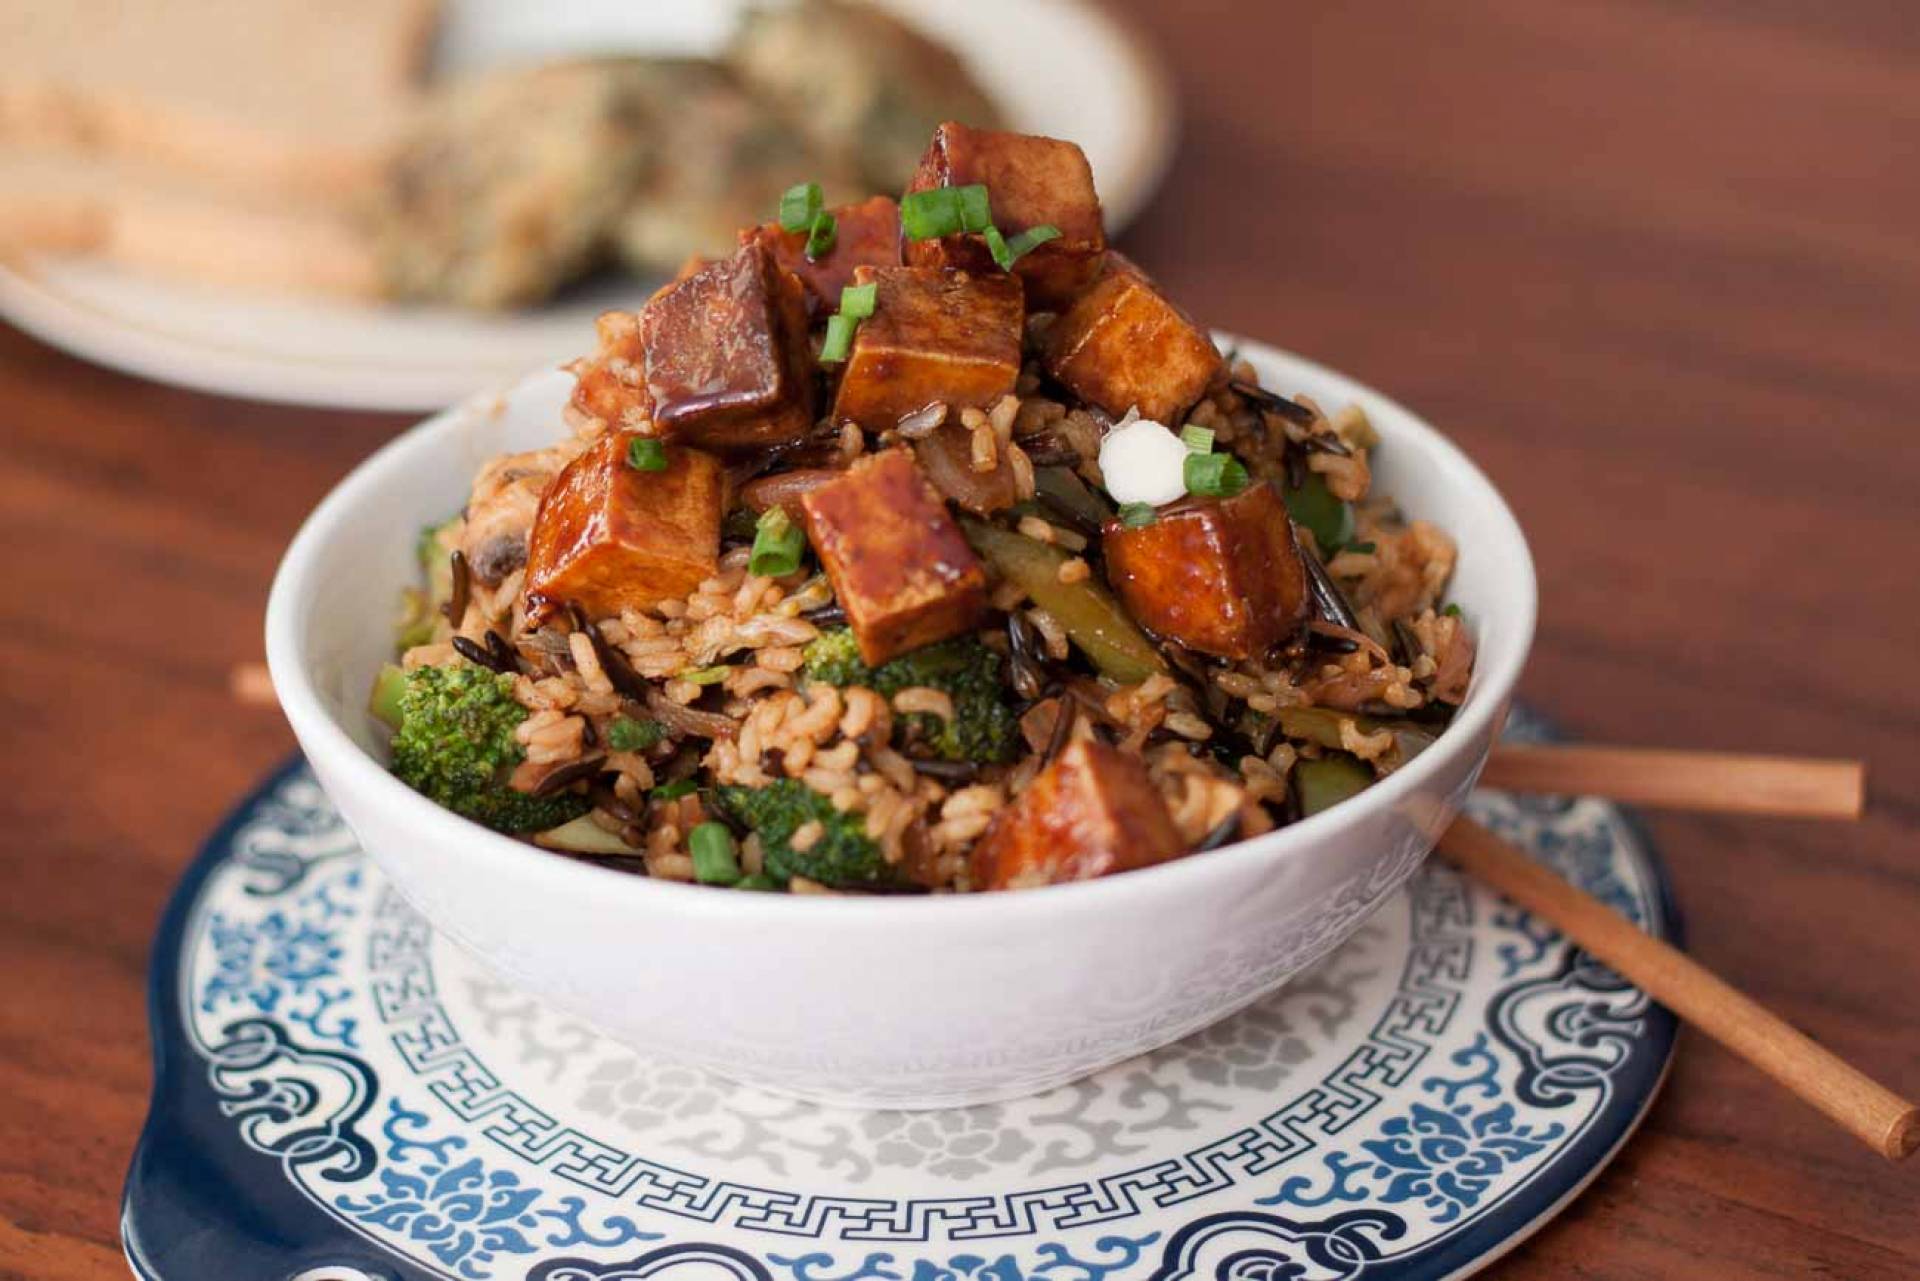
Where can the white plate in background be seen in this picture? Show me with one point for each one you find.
(1059, 67)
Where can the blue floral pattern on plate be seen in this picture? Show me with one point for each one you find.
(368, 1098)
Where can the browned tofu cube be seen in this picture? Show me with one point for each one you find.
(1220, 575)
(1094, 811)
(727, 365)
(1030, 180)
(934, 335)
(611, 384)
(864, 235)
(898, 563)
(1123, 344)
(609, 537)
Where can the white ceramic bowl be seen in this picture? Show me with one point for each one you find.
(875, 1002)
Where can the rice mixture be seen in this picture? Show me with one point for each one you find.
(922, 546)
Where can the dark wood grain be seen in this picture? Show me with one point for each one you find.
(1654, 264)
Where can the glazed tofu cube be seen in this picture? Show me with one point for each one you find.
(1222, 576)
(1123, 345)
(610, 385)
(609, 537)
(726, 363)
(1094, 811)
(898, 563)
(934, 335)
(865, 235)
(1030, 180)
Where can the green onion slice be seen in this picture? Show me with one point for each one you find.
(821, 234)
(1136, 515)
(925, 215)
(646, 454)
(1022, 243)
(704, 675)
(857, 301)
(673, 791)
(997, 246)
(1197, 439)
(777, 545)
(1215, 475)
(976, 211)
(714, 860)
(840, 327)
(799, 206)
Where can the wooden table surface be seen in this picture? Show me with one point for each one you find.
(1654, 264)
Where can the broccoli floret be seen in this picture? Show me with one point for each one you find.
(455, 746)
(983, 728)
(844, 857)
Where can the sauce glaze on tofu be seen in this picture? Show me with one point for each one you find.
(951, 337)
(1092, 812)
(865, 235)
(609, 537)
(899, 565)
(1123, 344)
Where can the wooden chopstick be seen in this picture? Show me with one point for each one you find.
(1789, 786)
(1878, 1117)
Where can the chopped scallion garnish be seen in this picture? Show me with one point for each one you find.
(624, 734)
(821, 235)
(997, 246)
(646, 454)
(840, 327)
(926, 215)
(1022, 243)
(777, 544)
(714, 860)
(1215, 475)
(1136, 515)
(799, 206)
(857, 301)
(1198, 439)
(976, 211)
(673, 791)
(704, 675)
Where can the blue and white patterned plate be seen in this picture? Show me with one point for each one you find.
(340, 1094)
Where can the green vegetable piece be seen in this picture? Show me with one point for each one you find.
(821, 235)
(1063, 488)
(1022, 243)
(759, 881)
(704, 675)
(858, 301)
(1093, 619)
(421, 609)
(844, 856)
(646, 454)
(983, 729)
(976, 210)
(1365, 549)
(1215, 475)
(583, 836)
(839, 340)
(389, 686)
(935, 212)
(1198, 439)
(1324, 783)
(778, 544)
(624, 734)
(714, 860)
(997, 246)
(1315, 509)
(1137, 515)
(455, 746)
(674, 790)
(1452, 610)
(800, 205)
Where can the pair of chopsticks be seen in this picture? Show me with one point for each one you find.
(1767, 785)
(1770, 785)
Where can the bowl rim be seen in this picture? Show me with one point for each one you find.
(321, 735)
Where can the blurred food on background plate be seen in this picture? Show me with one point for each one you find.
(298, 148)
